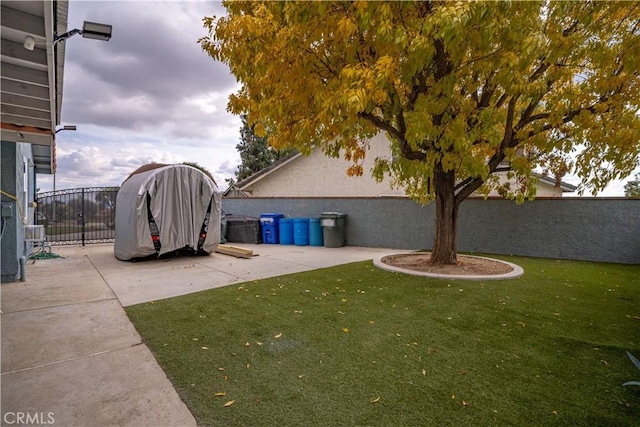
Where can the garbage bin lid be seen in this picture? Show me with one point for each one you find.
(333, 214)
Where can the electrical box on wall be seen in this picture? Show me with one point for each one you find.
(7, 210)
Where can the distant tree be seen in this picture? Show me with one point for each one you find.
(201, 168)
(255, 151)
(632, 188)
(462, 90)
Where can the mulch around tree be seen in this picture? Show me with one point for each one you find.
(466, 265)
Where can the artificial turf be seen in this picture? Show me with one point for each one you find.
(354, 345)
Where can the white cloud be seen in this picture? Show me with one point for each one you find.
(150, 94)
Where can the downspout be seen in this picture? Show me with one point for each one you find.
(23, 268)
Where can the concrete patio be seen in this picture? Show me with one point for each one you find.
(70, 355)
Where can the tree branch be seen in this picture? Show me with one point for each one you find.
(381, 124)
(487, 92)
(418, 87)
(508, 126)
(468, 190)
(406, 150)
(501, 100)
(568, 117)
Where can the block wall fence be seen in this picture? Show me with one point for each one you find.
(588, 229)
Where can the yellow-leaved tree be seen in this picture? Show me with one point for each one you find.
(461, 89)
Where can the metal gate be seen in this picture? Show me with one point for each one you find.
(78, 216)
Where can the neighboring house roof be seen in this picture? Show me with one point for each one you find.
(240, 185)
(564, 186)
(269, 169)
(32, 79)
(268, 177)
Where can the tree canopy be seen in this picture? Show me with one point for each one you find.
(462, 89)
(255, 151)
(632, 188)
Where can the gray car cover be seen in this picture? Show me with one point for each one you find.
(174, 197)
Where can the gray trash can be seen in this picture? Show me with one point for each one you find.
(333, 229)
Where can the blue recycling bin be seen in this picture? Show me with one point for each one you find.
(315, 232)
(269, 223)
(301, 231)
(286, 231)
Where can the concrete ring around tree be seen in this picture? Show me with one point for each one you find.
(516, 272)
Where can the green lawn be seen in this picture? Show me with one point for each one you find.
(354, 345)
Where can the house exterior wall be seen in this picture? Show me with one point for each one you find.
(594, 229)
(323, 176)
(318, 175)
(20, 184)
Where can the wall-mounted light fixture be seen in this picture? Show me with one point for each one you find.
(67, 127)
(90, 30)
(29, 43)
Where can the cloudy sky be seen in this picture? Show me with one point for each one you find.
(150, 94)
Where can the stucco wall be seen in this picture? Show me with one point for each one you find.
(605, 230)
(307, 174)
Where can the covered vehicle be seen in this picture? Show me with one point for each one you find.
(166, 208)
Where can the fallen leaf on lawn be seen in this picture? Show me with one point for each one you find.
(554, 412)
(424, 372)
(345, 330)
(248, 366)
(376, 400)
(278, 336)
(225, 377)
(344, 300)
(221, 369)
(398, 335)
(297, 311)
(300, 376)
(453, 397)
(372, 322)
(258, 342)
(229, 403)
(464, 403)
(521, 324)
(220, 393)
(633, 317)
(604, 362)
(195, 339)
(247, 344)
(205, 348)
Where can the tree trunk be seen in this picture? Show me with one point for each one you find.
(446, 221)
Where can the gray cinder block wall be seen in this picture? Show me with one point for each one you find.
(589, 229)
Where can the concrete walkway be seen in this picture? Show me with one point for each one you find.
(70, 355)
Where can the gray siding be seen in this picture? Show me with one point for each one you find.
(13, 246)
(589, 229)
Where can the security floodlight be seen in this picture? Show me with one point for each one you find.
(90, 30)
(93, 30)
(67, 127)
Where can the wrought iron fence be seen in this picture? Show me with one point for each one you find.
(78, 216)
